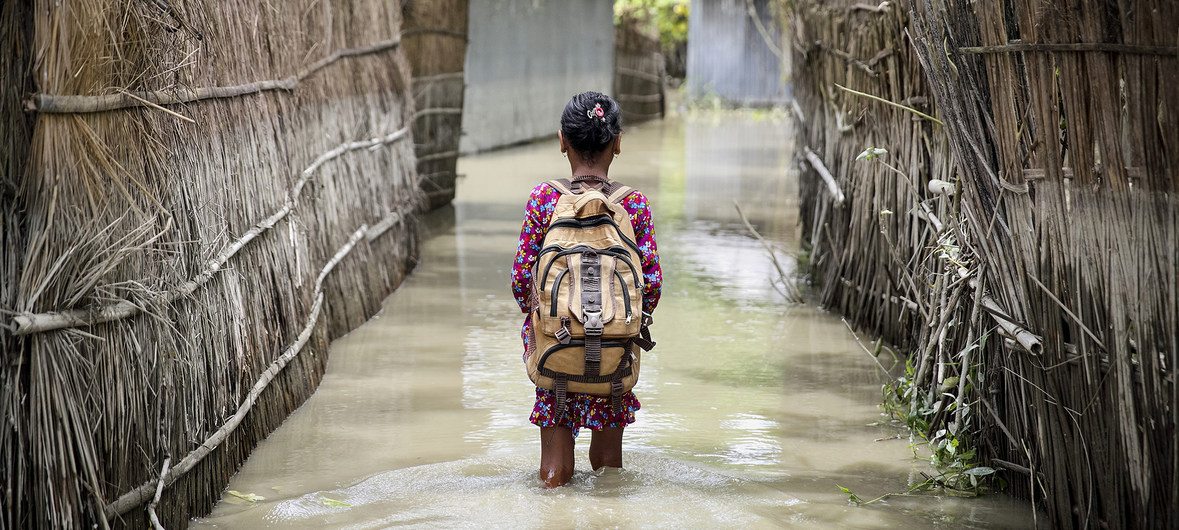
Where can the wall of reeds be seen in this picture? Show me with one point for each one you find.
(1023, 247)
(197, 196)
(434, 34)
(639, 74)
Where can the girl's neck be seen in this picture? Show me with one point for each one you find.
(601, 169)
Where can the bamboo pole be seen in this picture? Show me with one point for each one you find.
(27, 323)
(66, 104)
(1030, 342)
(1113, 47)
(139, 495)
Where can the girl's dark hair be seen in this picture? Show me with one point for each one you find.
(586, 132)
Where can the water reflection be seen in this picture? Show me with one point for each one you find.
(753, 412)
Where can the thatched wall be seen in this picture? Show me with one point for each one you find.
(1057, 239)
(638, 70)
(207, 191)
(435, 43)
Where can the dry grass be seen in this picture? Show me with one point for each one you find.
(1062, 152)
(124, 207)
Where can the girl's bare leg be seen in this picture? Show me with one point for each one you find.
(556, 455)
(606, 448)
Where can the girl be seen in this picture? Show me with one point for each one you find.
(591, 138)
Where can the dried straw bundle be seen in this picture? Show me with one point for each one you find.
(185, 247)
(1059, 233)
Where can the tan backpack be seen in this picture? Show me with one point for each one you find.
(587, 296)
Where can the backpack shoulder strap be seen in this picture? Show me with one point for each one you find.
(562, 185)
(619, 192)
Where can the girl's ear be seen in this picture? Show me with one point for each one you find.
(561, 138)
(618, 144)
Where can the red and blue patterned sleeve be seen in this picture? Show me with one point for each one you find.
(537, 214)
(639, 208)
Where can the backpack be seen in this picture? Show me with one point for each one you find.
(587, 295)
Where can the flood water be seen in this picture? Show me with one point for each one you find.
(754, 412)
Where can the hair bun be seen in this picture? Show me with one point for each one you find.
(590, 122)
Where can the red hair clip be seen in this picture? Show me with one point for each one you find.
(596, 111)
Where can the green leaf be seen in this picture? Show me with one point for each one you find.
(980, 471)
(333, 502)
(872, 152)
(246, 496)
(950, 382)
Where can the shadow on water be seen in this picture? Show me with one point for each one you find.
(754, 413)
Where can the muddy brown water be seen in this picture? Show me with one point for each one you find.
(754, 412)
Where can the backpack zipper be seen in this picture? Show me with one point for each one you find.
(625, 295)
(596, 221)
(557, 292)
(580, 248)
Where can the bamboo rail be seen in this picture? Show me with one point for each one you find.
(143, 492)
(1073, 47)
(27, 323)
(69, 104)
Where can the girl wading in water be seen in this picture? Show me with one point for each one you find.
(591, 138)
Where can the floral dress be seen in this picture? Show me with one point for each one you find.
(584, 410)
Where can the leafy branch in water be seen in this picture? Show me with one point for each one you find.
(936, 396)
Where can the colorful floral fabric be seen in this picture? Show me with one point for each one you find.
(538, 211)
(585, 410)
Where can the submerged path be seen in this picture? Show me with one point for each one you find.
(753, 412)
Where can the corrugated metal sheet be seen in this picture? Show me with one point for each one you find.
(729, 58)
(525, 59)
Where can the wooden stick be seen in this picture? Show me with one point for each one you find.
(438, 156)
(59, 104)
(630, 72)
(27, 323)
(794, 296)
(151, 507)
(761, 29)
(140, 494)
(1069, 313)
(821, 169)
(866, 350)
(433, 31)
(887, 102)
(866, 7)
(648, 98)
(437, 110)
(1015, 46)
